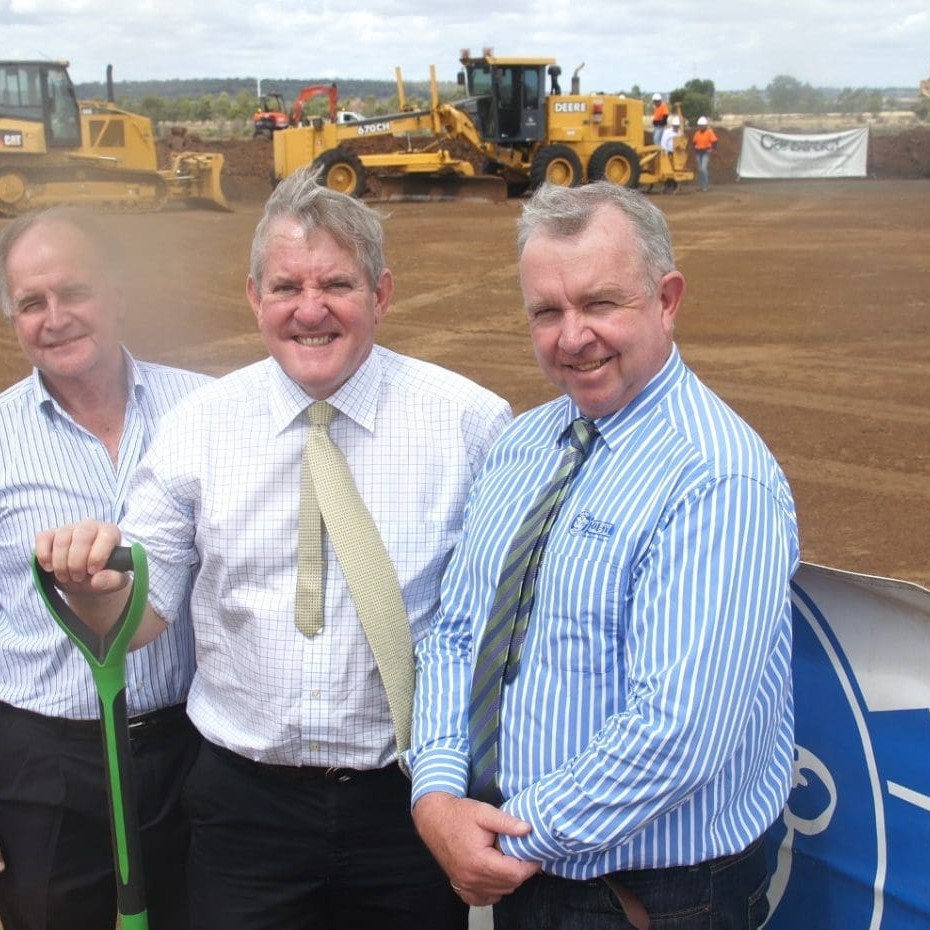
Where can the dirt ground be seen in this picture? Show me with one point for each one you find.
(808, 310)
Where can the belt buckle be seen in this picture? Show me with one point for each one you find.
(140, 723)
(334, 773)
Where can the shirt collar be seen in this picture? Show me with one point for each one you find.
(48, 405)
(615, 426)
(357, 398)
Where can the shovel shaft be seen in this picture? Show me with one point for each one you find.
(124, 821)
(106, 656)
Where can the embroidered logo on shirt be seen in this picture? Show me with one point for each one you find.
(585, 525)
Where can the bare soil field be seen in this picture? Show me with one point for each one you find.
(808, 311)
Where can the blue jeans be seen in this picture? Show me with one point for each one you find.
(723, 894)
(703, 163)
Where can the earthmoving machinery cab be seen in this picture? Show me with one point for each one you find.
(55, 149)
(506, 98)
(270, 115)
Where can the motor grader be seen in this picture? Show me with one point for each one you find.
(57, 150)
(530, 137)
(508, 135)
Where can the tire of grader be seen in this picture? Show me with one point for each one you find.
(556, 164)
(615, 162)
(341, 170)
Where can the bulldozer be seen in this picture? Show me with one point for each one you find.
(57, 150)
(506, 136)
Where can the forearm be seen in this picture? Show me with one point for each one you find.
(439, 753)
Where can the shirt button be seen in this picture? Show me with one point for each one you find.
(315, 693)
(314, 747)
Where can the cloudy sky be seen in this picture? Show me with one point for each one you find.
(658, 45)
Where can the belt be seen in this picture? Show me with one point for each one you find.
(629, 901)
(332, 773)
(139, 726)
(633, 908)
(155, 719)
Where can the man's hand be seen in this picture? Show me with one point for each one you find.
(77, 555)
(462, 835)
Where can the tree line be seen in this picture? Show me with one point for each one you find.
(784, 94)
(217, 100)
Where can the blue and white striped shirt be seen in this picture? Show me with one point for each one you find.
(54, 472)
(651, 722)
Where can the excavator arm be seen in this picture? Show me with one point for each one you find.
(295, 117)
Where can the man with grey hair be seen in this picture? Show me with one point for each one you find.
(603, 722)
(300, 810)
(73, 433)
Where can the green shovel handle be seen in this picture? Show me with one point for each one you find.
(106, 656)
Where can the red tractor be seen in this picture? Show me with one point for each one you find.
(272, 113)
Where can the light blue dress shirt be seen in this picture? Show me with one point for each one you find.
(651, 721)
(53, 472)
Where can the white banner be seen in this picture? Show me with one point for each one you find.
(767, 154)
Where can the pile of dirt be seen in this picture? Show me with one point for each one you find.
(903, 155)
(248, 163)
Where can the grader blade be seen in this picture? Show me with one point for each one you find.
(196, 179)
(419, 187)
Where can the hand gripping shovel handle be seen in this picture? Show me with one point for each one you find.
(106, 656)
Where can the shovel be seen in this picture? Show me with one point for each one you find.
(106, 656)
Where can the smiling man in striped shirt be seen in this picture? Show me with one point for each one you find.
(645, 727)
(73, 432)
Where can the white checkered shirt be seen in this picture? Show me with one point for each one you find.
(218, 495)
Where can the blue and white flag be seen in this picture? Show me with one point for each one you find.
(852, 849)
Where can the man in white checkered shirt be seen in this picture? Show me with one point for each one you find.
(300, 811)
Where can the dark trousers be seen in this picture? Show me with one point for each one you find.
(723, 894)
(55, 827)
(278, 848)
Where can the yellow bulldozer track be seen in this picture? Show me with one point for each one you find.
(194, 179)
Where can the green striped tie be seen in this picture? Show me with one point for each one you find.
(499, 654)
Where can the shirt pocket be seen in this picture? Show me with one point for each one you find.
(576, 625)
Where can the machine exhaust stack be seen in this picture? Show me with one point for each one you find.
(576, 81)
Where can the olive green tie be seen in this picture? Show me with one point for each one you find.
(328, 492)
(498, 656)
